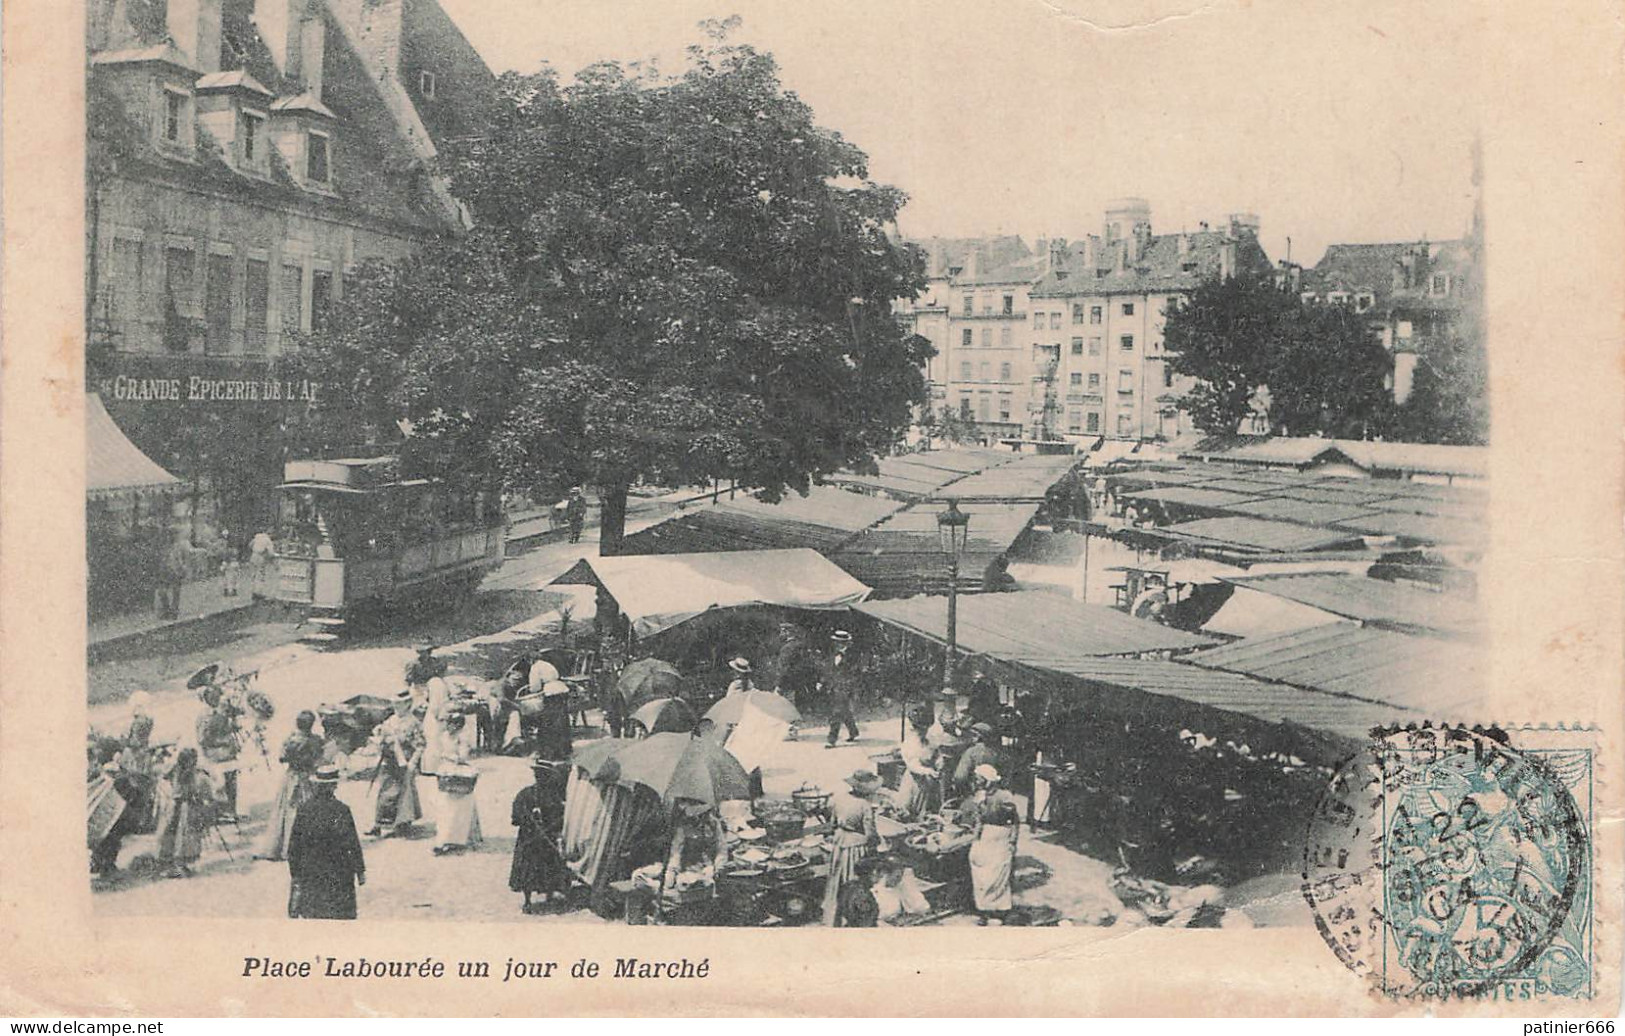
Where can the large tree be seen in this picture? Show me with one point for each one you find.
(669, 279)
(1324, 366)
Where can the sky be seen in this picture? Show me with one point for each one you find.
(1333, 121)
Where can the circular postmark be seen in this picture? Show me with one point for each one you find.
(1442, 862)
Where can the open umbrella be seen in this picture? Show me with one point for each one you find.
(733, 709)
(674, 766)
(648, 679)
(665, 715)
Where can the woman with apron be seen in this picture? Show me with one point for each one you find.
(855, 836)
(997, 824)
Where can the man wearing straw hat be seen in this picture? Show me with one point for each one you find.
(837, 686)
(743, 680)
(324, 855)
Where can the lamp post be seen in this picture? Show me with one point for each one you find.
(953, 528)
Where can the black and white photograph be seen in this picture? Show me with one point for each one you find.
(759, 466)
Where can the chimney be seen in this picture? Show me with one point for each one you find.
(1184, 245)
(377, 27)
(1142, 241)
(313, 51)
(1057, 253)
(194, 26)
(278, 22)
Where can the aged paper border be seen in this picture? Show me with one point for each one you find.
(1552, 149)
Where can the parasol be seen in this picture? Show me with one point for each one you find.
(674, 766)
(665, 715)
(730, 711)
(542, 672)
(648, 679)
(203, 676)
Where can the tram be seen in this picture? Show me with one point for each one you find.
(354, 537)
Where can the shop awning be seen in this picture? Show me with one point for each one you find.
(1032, 627)
(115, 466)
(659, 591)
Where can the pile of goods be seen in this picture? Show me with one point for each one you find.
(780, 840)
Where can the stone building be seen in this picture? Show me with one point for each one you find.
(245, 157)
(1066, 340)
(1414, 292)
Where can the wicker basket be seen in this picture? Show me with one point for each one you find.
(457, 783)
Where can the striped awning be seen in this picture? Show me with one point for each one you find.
(113, 464)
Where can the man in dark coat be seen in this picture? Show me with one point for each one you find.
(575, 512)
(838, 686)
(324, 854)
(538, 813)
(795, 673)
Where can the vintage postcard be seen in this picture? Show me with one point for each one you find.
(580, 508)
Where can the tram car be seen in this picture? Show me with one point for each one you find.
(355, 538)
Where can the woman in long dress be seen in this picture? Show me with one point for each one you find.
(855, 836)
(538, 812)
(996, 821)
(302, 753)
(458, 825)
(921, 783)
(185, 813)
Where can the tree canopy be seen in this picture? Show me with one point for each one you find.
(1324, 366)
(670, 278)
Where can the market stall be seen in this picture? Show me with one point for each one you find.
(637, 813)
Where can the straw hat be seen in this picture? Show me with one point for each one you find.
(987, 773)
(864, 782)
(982, 730)
(328, 774)
(841, 637)
(739, 665)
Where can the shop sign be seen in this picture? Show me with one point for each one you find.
(197, 388)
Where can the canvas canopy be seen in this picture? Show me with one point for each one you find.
(113, 464)
(657, 592)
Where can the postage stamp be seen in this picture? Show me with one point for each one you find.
(1456, 863)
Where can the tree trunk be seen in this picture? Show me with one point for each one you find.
(611, 519)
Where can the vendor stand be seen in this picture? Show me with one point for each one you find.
(642, 823)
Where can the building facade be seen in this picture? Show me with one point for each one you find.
(1066, 341)
(246, 157)
(1413, 292)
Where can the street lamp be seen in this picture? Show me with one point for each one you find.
(953, 529)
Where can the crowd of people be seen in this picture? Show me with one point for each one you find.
(184, 794)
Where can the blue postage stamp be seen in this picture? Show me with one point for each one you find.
(1454, 863)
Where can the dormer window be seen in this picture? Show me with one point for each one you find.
(176, 120)
(1439, 285)
(427, 85)
(253, 140)
(317, 168)
(1364, 301)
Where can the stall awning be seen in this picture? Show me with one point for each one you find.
(1033, 627)
(659, 591)
(1348, 718)
(113, 464)
(1371, 602)
(1422, 673)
